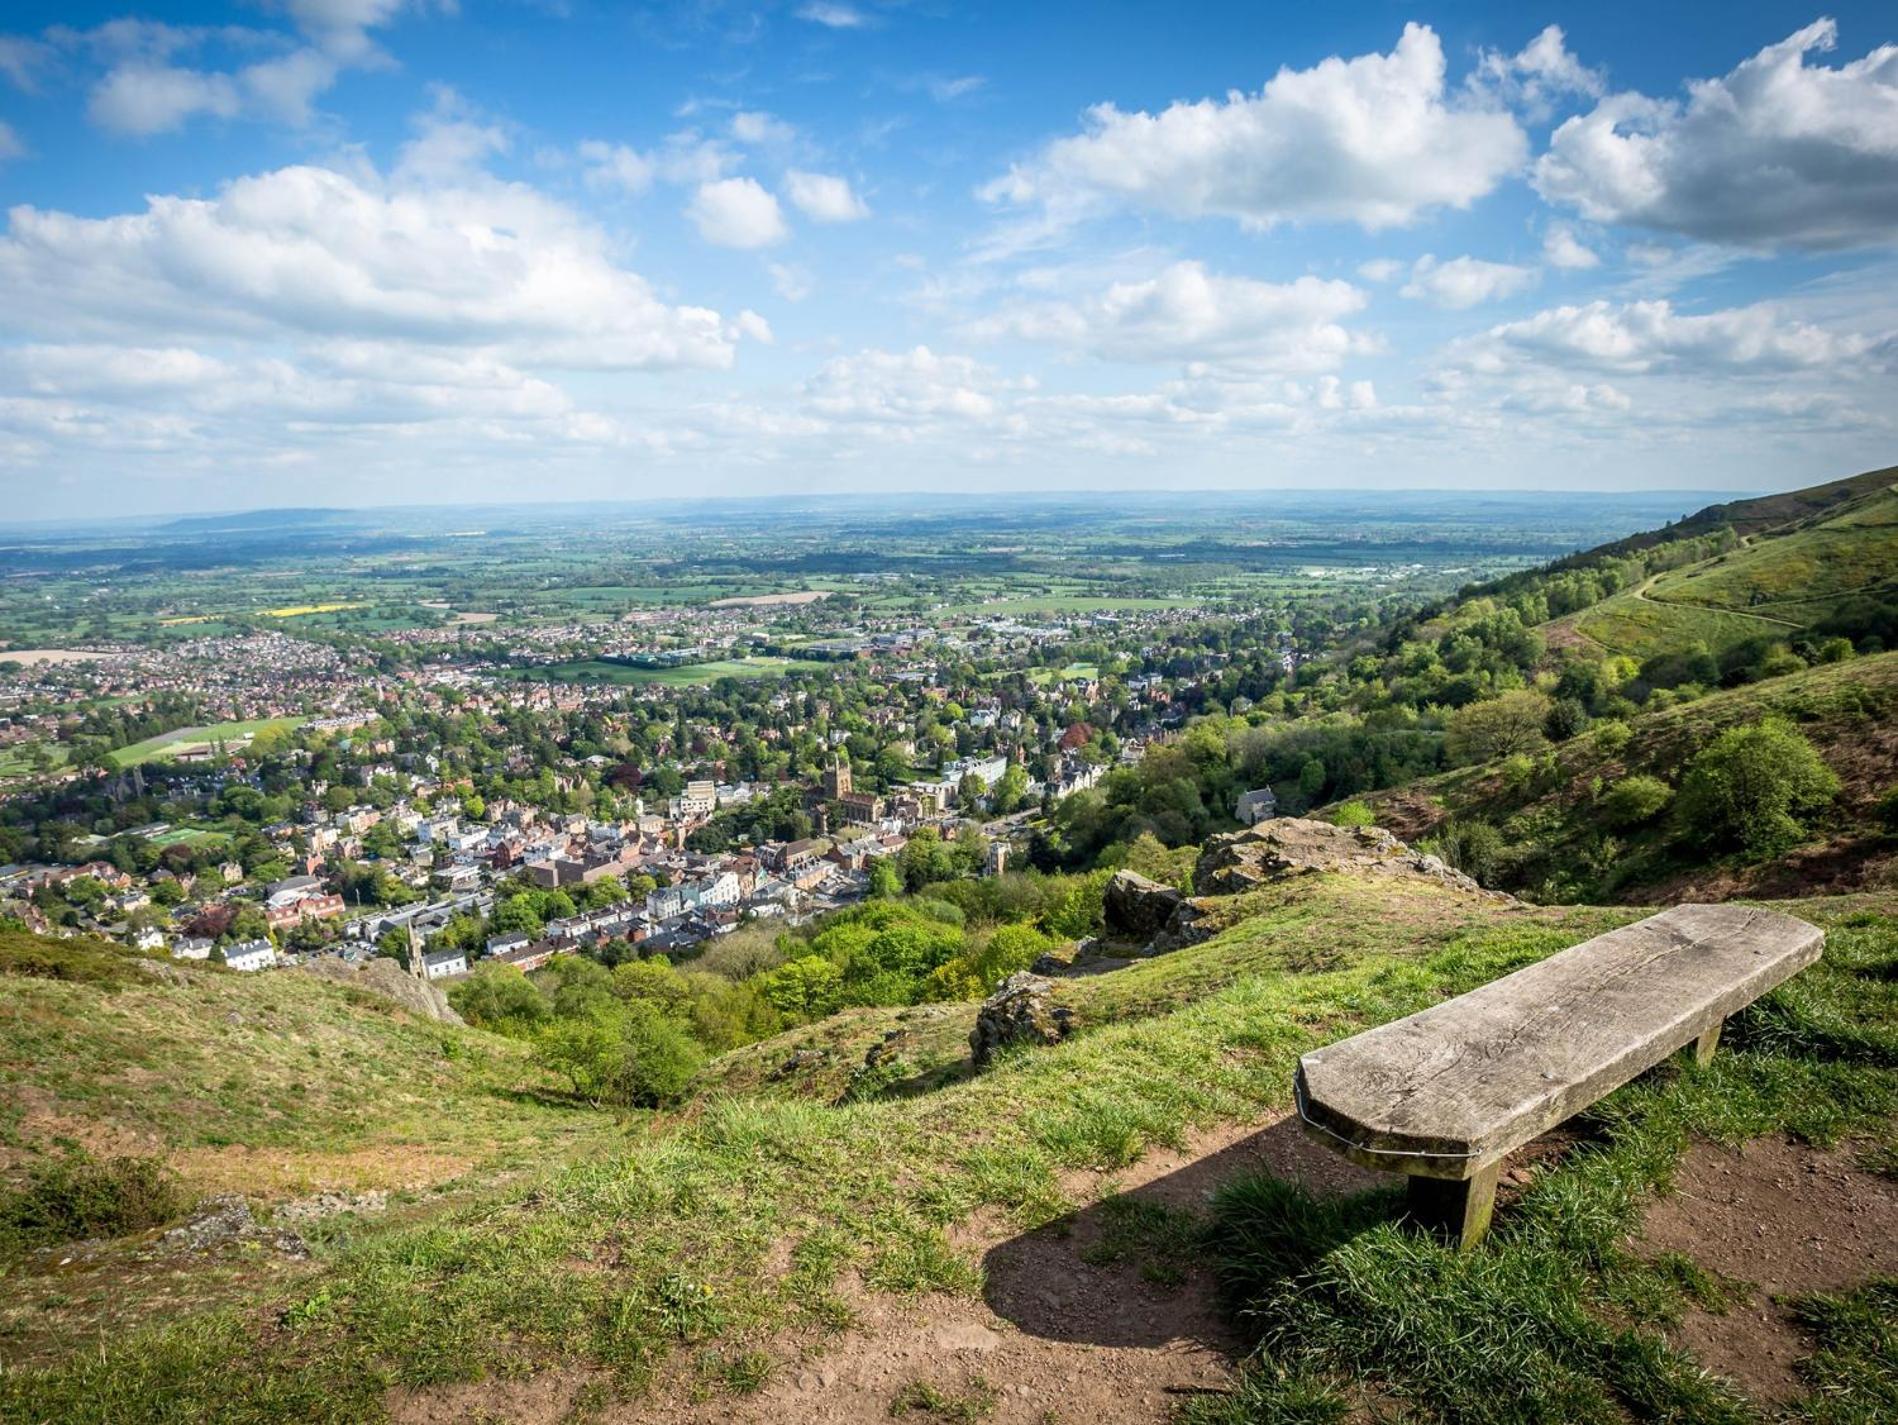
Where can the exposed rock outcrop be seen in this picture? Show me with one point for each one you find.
(226, 1219)
(1021, 1011)
(1136, 907)
(1245, 860)
(801, 1061)
(382, 976)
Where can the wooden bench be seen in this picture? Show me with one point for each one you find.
(1444, 1095)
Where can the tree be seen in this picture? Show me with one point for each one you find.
(516, 914)
(885, 883)
(1751, 786)
(631, 1056)
(393, 944)
(970, 791)
(1473, 847)
(1012, 790)
(1496, 727)
(501, 998)
(804, 989)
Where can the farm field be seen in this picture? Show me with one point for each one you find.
(1043, 677)
(171, 743)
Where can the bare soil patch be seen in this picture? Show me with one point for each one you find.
(1840, 866)
(271, 1174)
(1055, 1336)
(1785, 1219)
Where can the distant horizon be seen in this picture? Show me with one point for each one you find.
(1704, 497)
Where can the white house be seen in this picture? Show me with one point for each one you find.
(440, 964)
(250, 955)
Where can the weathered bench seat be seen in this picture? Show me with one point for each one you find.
(1445, 1094)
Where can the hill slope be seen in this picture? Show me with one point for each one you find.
(1559, 846)
(1787, 579)
(281, 1088)
(770, 1256)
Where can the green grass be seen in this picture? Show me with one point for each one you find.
(169, 744)
(1797, 575)
(1780, 583)
(740, 1217)
(267, 1082)
(1018, 604)
(1045, 677)
(1855, 1369)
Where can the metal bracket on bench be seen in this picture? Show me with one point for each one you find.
(1298, 1102)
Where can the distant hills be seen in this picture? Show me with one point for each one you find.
(250, 521)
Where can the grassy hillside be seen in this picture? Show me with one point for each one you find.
(713, 1250)
(1785, 581)
(274, 1087)
(1552, 820)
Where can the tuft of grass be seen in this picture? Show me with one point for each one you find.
(1164, 1242)
(1854, 1372)
(921, 1398)
(567, 1265)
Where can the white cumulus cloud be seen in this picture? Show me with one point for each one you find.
(311, 252)
(1187, 314)
(1776, 153)
(824, 197)
(1375, 140)
(1648, 336)
(901, 389)
(737, 212)
(1464, 281)
(1561, 248)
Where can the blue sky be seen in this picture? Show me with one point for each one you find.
(365, 251)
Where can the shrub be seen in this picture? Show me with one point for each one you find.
(1473, 847)
(1886, 810)
(1751, 785)
(1519, 771)
(80, 961)
(1613, 736)
(1353, 814)
(977, 971)
(1634, 800)
(500, 998)
(1567, 718)
(1778, 662)
(78, 1196)
(1836, 650)
(632, 1056)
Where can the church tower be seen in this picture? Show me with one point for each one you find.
(837, 779)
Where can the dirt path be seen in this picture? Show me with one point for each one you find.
(1640, 591)
(1056, 1337)
(1785, 1219)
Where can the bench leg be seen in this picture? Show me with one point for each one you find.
(1701, 1050)
(1458, 1209)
